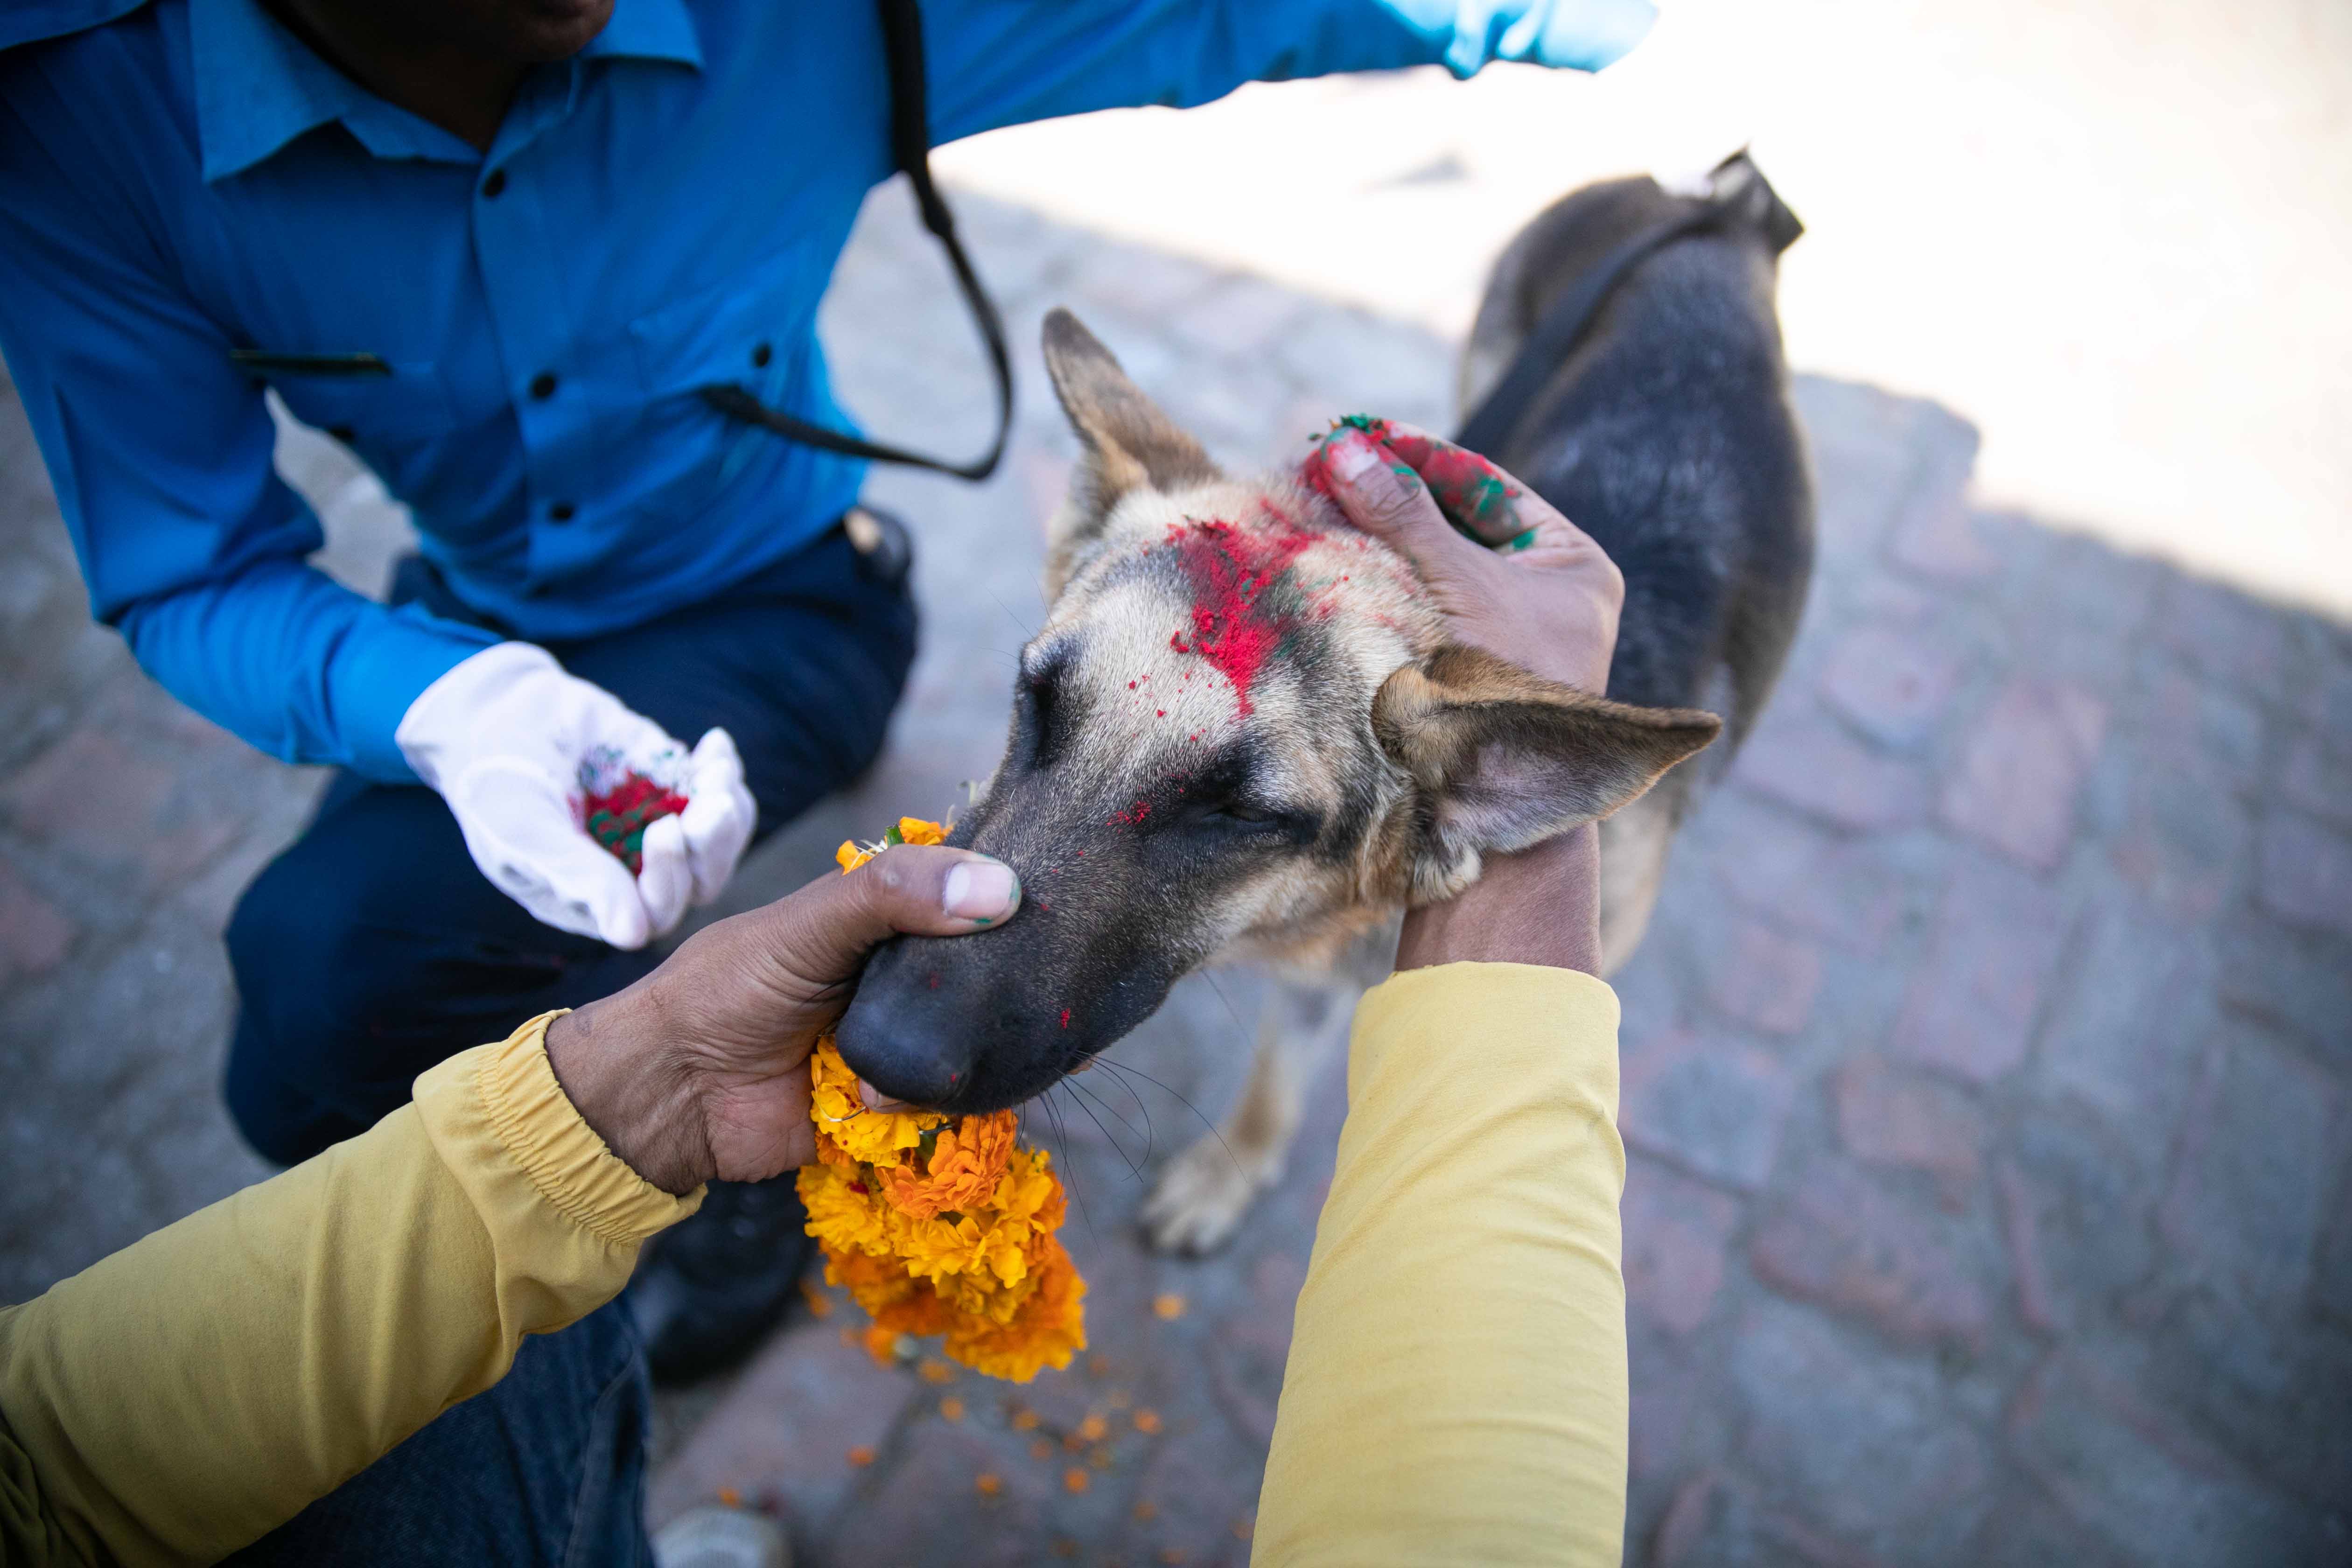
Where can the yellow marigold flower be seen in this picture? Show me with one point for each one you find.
(1049, 1329)
(870, 1137)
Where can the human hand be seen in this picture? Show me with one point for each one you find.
(1533, 587)
(701, 1070)
(509, 740)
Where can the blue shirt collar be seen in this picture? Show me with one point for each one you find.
(258, 87)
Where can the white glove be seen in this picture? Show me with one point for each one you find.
(515, 746)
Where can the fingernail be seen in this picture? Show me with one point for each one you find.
(874, 1098)
(1352, 456)
(983, 891)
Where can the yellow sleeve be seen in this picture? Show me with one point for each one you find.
(1456, 1387)
(195, 1389)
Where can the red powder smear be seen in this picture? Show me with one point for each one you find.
(1065, 1017)
(1230, 568)
(1475, 495)
(1132, 815)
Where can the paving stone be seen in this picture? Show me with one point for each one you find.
(2259, 1383)
(1842, 1241)
(1677, 1234)
(2174, 829)
(1857, 1439)
(84, 793)
(2227, 634)
(2297, 981)
(2139, 1476)
(1974, 998)
(2316, 777)
(2077, 1215)
(1932, 534)
(35, 934)
(2331, 1290)
(2306, 872)
(2184, 715)
(783, 1436)
(1890, 1117)
(2250, 1177)
(2021, 767)
(1894, 682)
(2135, 1007)
(1712, 1105)
(1852, 895)
(925, 1506)
(1812, 763)
(1767, 979)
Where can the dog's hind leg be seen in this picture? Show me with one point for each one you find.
(1204, 1190)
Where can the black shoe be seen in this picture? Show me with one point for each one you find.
(716, 1285)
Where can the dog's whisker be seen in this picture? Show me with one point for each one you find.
(1132, 1168)
(1069, 1165)
(1213, 1130)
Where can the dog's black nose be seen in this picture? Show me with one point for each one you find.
(902, 1046)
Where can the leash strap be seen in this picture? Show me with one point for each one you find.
(910, 148)
(1491, 424)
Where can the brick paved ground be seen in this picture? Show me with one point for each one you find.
(1985, 1071)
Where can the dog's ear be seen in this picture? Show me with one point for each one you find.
(1130, 443)
(1502, 760)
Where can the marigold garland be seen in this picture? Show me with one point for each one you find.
(939, 1225)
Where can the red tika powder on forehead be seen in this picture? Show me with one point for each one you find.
(1231, 568)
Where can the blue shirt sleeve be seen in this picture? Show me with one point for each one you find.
(991, 63)
(159, 450)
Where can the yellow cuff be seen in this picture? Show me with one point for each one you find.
(1423, 1009)
(544, 1135)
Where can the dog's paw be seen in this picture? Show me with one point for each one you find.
(1201, 1196)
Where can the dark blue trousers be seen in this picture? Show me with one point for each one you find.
(372, 948)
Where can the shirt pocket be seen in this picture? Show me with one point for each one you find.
(359, 399)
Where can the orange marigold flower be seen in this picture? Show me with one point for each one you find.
(1147, 1421)
(861, 1456)
(989, 1483)
(963, 1172)
(1168, 1308)
(1075, 1479)
(951, 1408)
(1093, 1429)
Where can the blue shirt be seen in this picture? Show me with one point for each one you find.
(184, 179)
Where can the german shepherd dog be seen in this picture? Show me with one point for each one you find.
(1243, 733)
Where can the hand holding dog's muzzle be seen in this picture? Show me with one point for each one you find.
(700, 1069)
(1512, 575)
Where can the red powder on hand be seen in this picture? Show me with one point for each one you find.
(617, 818)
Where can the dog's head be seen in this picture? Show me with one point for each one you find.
(1241, 727)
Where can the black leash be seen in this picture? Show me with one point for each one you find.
(1540, 354)
(910, 147)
